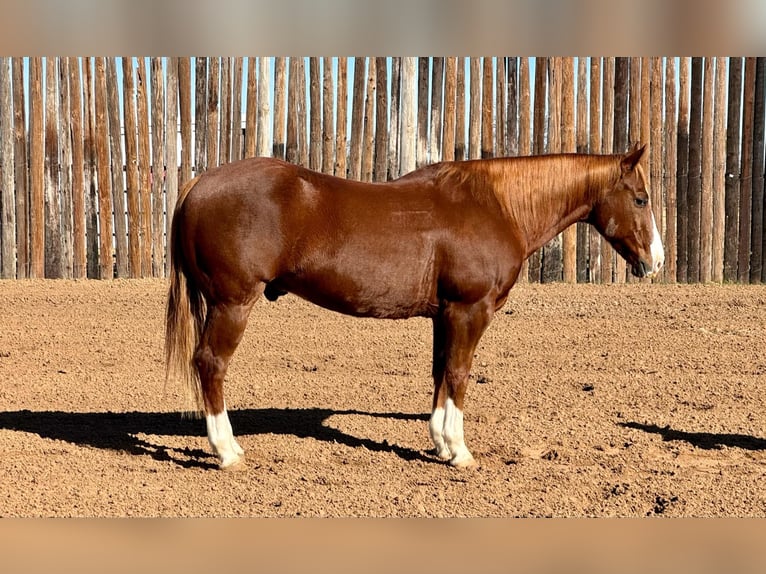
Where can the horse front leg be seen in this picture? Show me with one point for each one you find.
(224, 327)
(457, 331)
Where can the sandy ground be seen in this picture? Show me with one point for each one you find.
(633, 400)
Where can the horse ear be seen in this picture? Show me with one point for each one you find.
(632, 158)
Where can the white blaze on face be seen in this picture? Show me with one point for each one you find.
(657, 251)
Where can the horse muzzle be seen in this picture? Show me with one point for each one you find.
(648, 270)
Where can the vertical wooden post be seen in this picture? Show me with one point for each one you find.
(280, 75)
(474, 118)
(607, 146)
(236, 109)
(460, 91)
(79, 189)
(131, 162)
(145, 167)
(538, 135)
(200, 118)
(171, 154)
(224, 131)
(65, 185)
(368, 137)
(551, 264)
(252, 110)
(292, 152)
(634, 134)
(341, 124)
(582, 147)
(719, 169)
(184, 110)
(756, 213)
(409, 111)
(37, 170)
(381, 119)
(21, 170)
(158, 162)
(682, 185)
(525, 133)
(706, 200)
(357, 120)
(568, 145)
(487, 104)
(694, 190)
(671, 160)
(115, 154)
(622, 86)
(552, 268)
(263, 137)
(621, 117)
(437, 92)
(213, 86)
(328, 124)
(512, 106)
(89, 151)
(315, 116)
(594, 256)
(450, 93)
(656, 152)
(501, 97)
(106, 263)
(53, 266)
(303, 149)
(746, 183)
(421, 157)
(393, 130)
(734, 108)
(7, 191)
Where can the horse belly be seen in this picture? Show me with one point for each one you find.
(396, 284)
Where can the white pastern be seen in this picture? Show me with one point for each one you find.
(656, 248)
(453, 435)
(436, 427)
(221, 439)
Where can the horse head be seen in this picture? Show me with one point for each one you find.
(623, 216)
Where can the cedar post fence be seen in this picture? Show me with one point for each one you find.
(93, 151)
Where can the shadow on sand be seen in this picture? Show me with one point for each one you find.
(703, 440)
(120, 431)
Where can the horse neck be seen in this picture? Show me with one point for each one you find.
(544, 195)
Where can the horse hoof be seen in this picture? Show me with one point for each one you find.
(235, 463)
(464, 463)
(443, 454)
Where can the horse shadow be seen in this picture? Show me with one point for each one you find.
(120, 431)
(702, 440)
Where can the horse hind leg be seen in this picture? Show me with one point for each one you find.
(437, 420)
(224, 326)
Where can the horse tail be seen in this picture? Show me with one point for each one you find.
(185, 315)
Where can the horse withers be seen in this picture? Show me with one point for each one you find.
(446, 241)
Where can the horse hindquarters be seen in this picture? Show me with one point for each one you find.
(199, 343)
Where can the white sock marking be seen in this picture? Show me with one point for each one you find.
(221, 438)
(453, 434)
(436, 427)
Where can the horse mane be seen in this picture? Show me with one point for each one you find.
(529, 189)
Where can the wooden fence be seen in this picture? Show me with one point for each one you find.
(81, 140)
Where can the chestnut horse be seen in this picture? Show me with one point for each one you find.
(446, 241)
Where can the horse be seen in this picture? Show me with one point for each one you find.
(446, 241)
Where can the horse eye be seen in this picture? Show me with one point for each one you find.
(641, 201)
